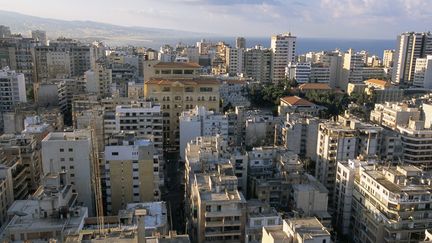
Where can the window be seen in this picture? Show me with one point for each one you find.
(189, 89)
(72, 175)
(70, 149)
(206, 89)
(62, 159)
(166, 71)
(71, 159)
(71, 167)
(166, 89)
(219, 208)
(62, 150)
(208, 208)
(188, 71)
(177, 71)
(114, 153)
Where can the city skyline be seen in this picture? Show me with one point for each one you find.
(256, 18)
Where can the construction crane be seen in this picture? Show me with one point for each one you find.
(96, 178)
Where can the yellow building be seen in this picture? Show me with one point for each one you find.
(132, 167)
(180, 93)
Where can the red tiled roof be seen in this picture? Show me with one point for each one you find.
(296, 101)
(382, 83)
(311, 86)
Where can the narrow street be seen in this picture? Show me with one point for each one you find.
(174, 193)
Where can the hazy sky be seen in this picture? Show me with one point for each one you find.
(371, 19)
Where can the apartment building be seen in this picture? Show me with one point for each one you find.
(176, 95)
(63, 56)
(234, 60)
(218, 209)
(299, 133)
(296, 230)
(258, 64)
(6, 191)
(17, 54)
(410, 47)
(390, 204)
(43, 216)
(26, 148)
(283, 48)
(143, 117)
(340, 141)
(12, 91)
(392, 114)
(72, 152)
(423, 72)
(233, 93)
(99, 80)
(383, 91)
(416, 143)
(199, 122)
(131, 171)
(259, 215)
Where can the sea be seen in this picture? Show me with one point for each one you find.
(304, 45)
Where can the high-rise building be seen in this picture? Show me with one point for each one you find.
(353, 63)
(142, 117)
(131, 171)
(99, 80)
(40, 36)
(12, 93)
(5, 31)
(283, 48)
(234, 60)
(17, 54)
(63, 51)
(423, 72)
(410, 46)
(257, 64)
(388, 58)
(240, 43)
(341, 141)
(71, 152)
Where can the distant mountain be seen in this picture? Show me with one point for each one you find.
(90, 30)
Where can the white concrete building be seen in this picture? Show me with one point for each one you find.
(232, 91)
(99, 80)
(410, 46)
(283, 47)
(301, 230)
(142, 117)
(234, 58)
(259, 215)
(423, 72)
(392, 114)
(12, 93)
(388, 58)
(389, 204)
(201, 122)
(345, 175)
(50, 214)
(71, 152)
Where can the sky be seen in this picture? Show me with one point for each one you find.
(368, 19)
